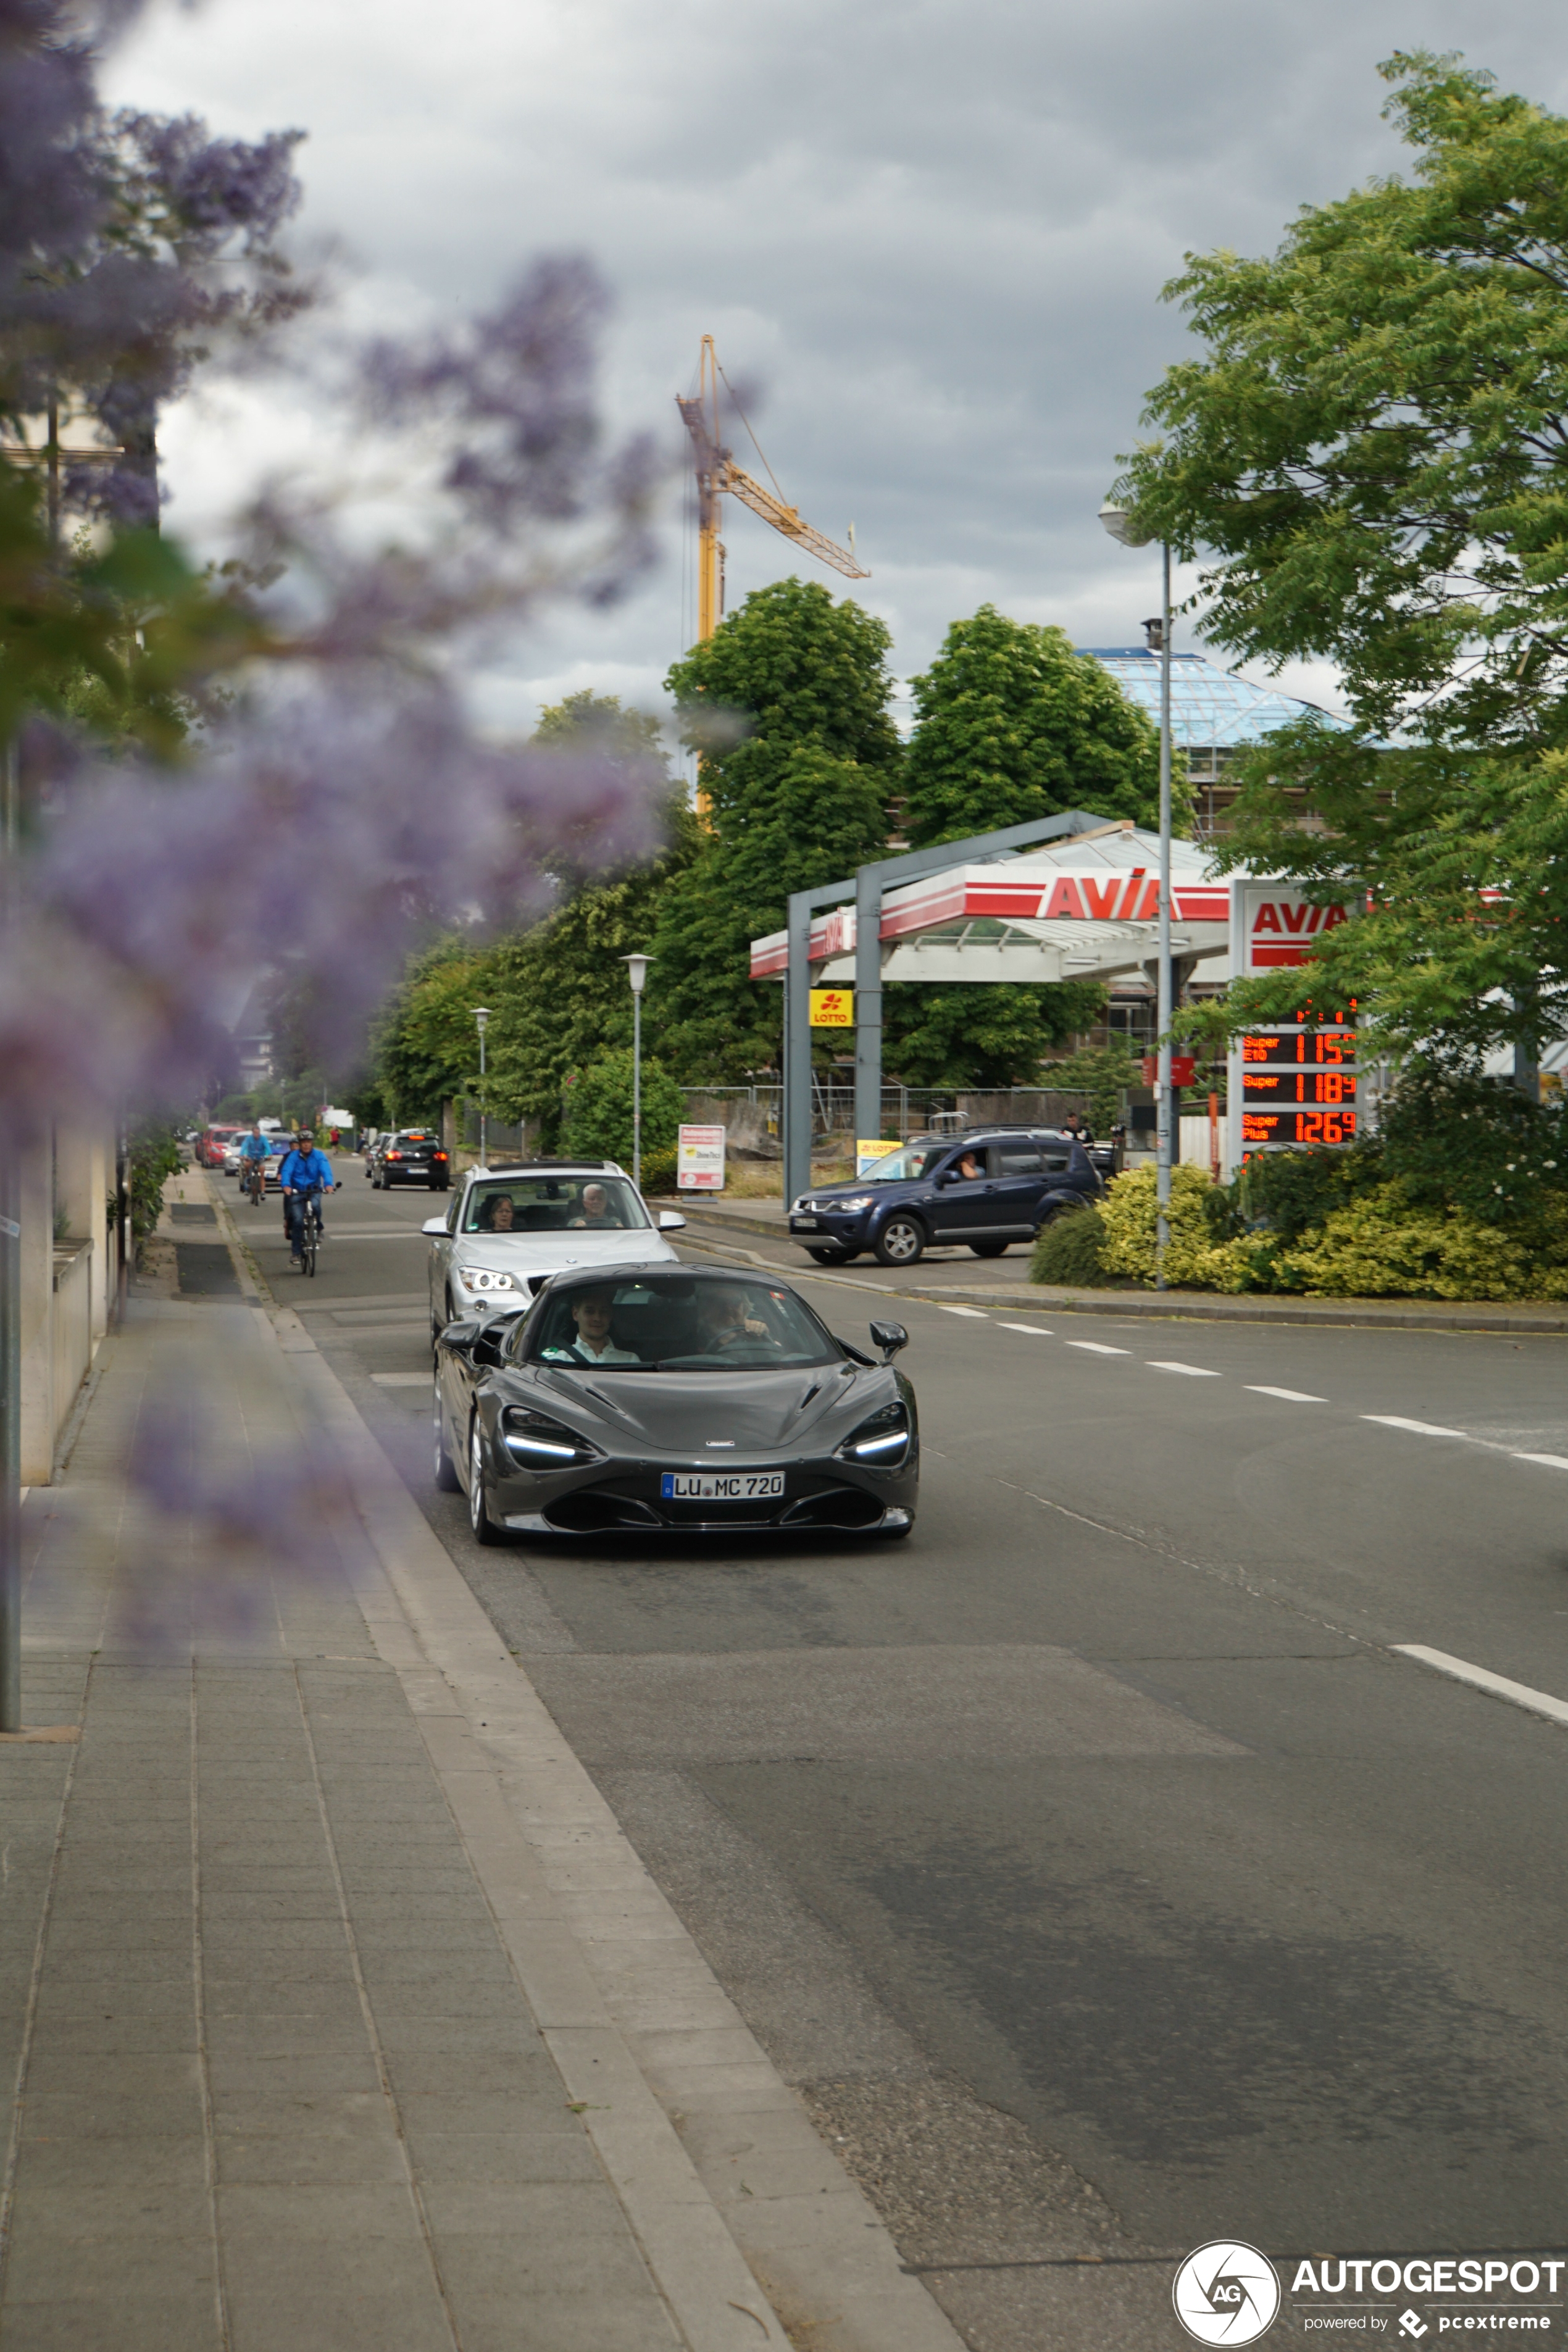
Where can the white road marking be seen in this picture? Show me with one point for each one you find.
(1098, 1347)
(1035, 1330)
(1538, 1702)
(1288, 1396)
(1194, 1372)
(1547, 1461)
(979, 1314)
(401, 1379)
(1421, 1428)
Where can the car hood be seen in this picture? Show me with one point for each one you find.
(552, 1252)
(678, 1412)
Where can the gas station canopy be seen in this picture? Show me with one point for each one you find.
(1084, 909)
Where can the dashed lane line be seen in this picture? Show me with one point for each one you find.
(977, 1313)
(1286, 1396)
(1033, 1330)
(1500, 1686)
(1098, 1347)
(1420, 1428)
(402, 1380)
(1547, 1461)
(1192, 1371)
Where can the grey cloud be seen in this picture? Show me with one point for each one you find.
(935, 231)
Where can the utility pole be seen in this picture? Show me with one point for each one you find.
(10, 1318)
(482, 1016)
(636, 973)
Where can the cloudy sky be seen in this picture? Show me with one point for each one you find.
(933, 232)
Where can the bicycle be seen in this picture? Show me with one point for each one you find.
(309, 1231)
(256, 1182)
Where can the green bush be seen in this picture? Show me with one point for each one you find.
(155, 1156)
(596, 1112)
(1193, 1259)
(659, 1169)
(1389, 1245)
(1067, 1250)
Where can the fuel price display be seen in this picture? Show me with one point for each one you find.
(1296, 1086)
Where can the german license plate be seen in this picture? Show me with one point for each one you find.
(721, 1486)
(802, 1225)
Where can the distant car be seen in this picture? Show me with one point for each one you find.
(212, 1142)
(682, 1400)
(410, 1155)
(924, 1196)
(509, 1229)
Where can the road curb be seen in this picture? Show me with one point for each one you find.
(1183, 1306)
(641, 2029)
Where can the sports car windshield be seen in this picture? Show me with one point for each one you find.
(554, 1204)
(669, 1323)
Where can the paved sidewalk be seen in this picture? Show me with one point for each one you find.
(340, 2017)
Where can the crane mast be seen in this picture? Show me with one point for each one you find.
(717, 473)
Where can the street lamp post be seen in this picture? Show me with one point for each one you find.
(1121, 527)
(482, 1016)
(636, 973)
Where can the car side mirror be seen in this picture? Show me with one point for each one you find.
(889, 1338)
(943, 1176)
(486, 1350)
(434, 1225)
(671, 1221)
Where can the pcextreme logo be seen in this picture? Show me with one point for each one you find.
(1226, 2293)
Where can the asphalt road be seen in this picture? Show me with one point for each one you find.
(1097, 1863)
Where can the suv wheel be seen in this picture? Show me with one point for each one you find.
(902, 1241)
(988, 1249)
(829, 1257)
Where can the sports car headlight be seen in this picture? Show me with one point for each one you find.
(484, 1277)
(538, 1443)
(882, 1442)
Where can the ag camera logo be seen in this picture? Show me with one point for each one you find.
(1226, 2293)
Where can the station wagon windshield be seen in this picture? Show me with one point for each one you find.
(554, 1204)
(669, 1323)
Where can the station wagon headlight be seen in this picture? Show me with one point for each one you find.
(854, 1201)
(539, 1443)
(484, 1277)
(882, 1441)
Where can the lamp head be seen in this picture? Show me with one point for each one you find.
(1120, 524)
(636, 970)
(481, 1014)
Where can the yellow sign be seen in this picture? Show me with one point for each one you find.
(833, 1008)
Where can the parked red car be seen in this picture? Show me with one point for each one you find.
(210, 1144)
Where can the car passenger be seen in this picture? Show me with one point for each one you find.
(591, 1312)
(595, 1210)
(499, 1214)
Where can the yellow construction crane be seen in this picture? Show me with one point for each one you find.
(718, 472)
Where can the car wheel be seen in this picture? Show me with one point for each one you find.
(831, 1256)
(900, 1241)
(446, 1477)
(432, 1186)
(485, 1530)
(988, 1249)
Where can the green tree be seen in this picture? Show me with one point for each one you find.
(427, 1044)
(559, 989)
(597, 1124)
(1012, 725)
(1371, 450)
(801, 760)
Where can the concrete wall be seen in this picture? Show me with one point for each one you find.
(70, 1276)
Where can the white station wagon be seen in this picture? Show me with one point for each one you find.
(509, 1229)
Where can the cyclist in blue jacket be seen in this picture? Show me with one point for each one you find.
(305, 1174)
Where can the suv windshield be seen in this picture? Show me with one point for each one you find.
(554, 1204)
(669, 1323)
(902, 1167)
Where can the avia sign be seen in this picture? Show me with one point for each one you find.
(1278, 927)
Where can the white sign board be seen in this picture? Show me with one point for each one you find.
(700, 1160)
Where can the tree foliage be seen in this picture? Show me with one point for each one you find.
(789, 698)
(1012, 725)
(1373, 452)
(597, 1123)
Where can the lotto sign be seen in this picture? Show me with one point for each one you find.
(833, 1008)
(870, 1151)
(700, 1160)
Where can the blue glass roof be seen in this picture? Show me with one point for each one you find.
(1209, 707)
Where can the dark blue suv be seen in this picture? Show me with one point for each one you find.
(985, 1189)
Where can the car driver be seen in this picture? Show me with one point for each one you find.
(725, 1322)
(595, 1209)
